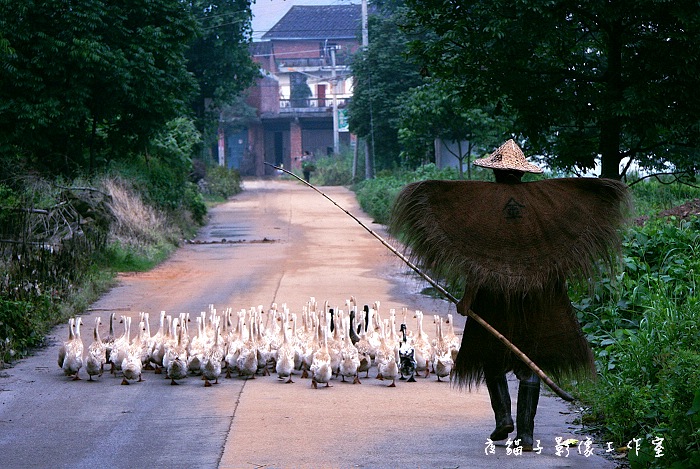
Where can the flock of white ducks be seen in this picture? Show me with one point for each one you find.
(320, 343)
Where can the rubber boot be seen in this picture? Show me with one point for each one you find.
(500, 403)
(528, 397)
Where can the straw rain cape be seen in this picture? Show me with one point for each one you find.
(514, 246)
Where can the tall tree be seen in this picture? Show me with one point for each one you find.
(381, 74)
(78, 77)
(219, 58)
(583, 81)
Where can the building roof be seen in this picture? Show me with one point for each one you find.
(317, 22)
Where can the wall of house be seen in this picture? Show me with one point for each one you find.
(296, 49)
(318, 141)
(265, 96)
(295, 144)
(253, 159)
(279, 138)
(312, 49)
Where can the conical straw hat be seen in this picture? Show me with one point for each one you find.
(508, 156)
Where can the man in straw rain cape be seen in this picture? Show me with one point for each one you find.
(514, 245)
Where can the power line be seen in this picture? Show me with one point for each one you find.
(223, 24)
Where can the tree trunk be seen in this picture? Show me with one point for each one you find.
(470, 148)
(461, 160)
(610, 149)
(354, 160)
(611, 125)
(369, 166)
(93, 137)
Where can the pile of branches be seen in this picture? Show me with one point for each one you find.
(45, 249)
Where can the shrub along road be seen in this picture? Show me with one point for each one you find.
(275, 242)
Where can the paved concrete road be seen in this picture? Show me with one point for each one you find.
(275, 242)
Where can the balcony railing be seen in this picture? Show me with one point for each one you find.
(311, 104)
(340, 61)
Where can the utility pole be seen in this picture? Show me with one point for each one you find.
(365, 44)
(365, 32)
(334, 82)
(369, 159)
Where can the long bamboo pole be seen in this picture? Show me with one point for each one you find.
(543, 376)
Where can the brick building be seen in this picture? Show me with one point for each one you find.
(305, 74)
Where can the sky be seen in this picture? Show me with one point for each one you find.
(266, 13)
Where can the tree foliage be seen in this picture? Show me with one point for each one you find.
(219, 58)
(381, 74)
(582, 80)
(84, 79)
(84, 83)
(432, 111)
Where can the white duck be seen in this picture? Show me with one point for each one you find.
(157, 345)
(73, 359)
(176, 357)
(273, 335)
(350, 357)
(285, 353)
(262, 344)
(95, 360)
(372, 326)
(384, 352)
(247, 362)
(335, 342)
(235, 346)
(70, 355)
(306, 342)
(321, 370)
(109, 340)
(387, 359)
(120, 347)
(169, 341)
(442, 361)
(132, 365)
(195, 349)
(64, 344)
(422, 347)
(453, 341)
(212, 359)
(146, 343)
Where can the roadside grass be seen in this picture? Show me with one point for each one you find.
(377, 195)
(651, 197)
(644, 328)
(67, 240)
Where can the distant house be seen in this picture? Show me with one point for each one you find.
(304, 60)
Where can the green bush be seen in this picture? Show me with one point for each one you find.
(334, 170)
(651, 197)
(66, 238)
(644, 326)
(23, 325)
(377, 195)
(161, 174)
(194, 203)
(220, 181)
